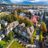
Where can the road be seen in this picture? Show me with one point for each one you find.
(11, 43)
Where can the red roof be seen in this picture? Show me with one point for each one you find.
(34, 19)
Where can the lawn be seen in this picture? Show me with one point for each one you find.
(15, 44)
(2, 42)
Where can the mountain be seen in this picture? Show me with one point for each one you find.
(5, 2)
(32, 3)
(40, 3)
(23, 3)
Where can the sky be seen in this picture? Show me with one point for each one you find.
(14, 1)
(22, 1)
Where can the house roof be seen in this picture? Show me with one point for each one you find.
(34, 19)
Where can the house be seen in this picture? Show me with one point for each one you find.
(30, 31)
(37, 37)
(1, 32)
(46, 42)
(0, 26)
(34, 19)
(46, 21)
(46, 17)
(19, 27)
(21, 30)
(4, 23)
(1, 37)
(26, 32)
(11, 26)
(23, 24)
(22, 14)
(38, 25)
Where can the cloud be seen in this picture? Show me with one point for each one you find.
(34, 0)
(14, 1)
(39, 0)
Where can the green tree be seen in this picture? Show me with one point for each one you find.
(10, 18)
(43, 27)
(11, 35)
(18, 11)
(33, 37)
(27, 22)
(1, 46)
(41, 36)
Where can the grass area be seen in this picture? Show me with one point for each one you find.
(2, 42)
(15, 44)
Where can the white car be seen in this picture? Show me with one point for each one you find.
(30, 46)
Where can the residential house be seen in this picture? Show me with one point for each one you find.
(34, 19)
(46, 42)
(30, 31)
(4, 23)
(23, 24)
(37, 37)
(26, 32)
(11, 26)
(22, 14)
(19, 27)
(1, 37)
(21, 30)
(0, 26)
(1, 32)
(46, 21)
